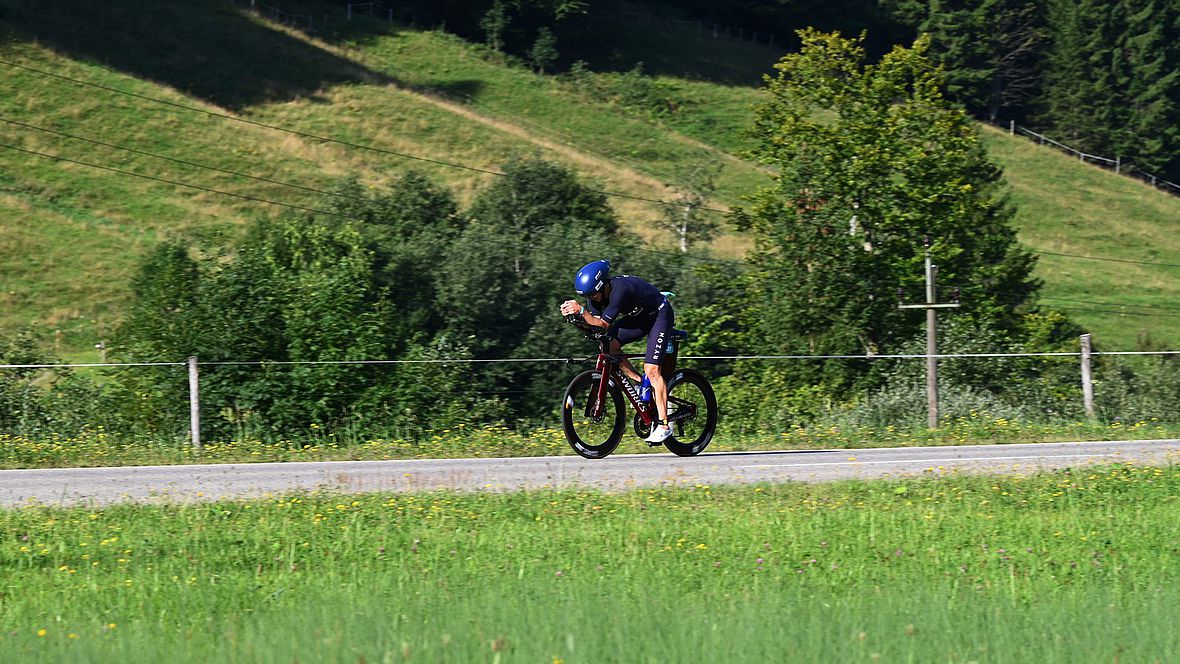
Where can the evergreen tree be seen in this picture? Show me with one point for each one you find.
(1150, 51)
(544, 51)
(990, 50)
(1082, 81)
(1112, 81)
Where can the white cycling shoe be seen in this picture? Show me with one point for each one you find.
(658, 435)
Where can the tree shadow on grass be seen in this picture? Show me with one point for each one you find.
(208, 49)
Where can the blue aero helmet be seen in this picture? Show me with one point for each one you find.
(592, 278)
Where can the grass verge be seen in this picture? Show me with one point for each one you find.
(97, 448)
(1055, 567)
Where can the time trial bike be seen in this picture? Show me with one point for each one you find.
(594, 409)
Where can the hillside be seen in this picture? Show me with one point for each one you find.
(72, 234)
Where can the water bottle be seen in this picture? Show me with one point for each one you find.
(645, 390)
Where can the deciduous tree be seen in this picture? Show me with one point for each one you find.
(870, 159)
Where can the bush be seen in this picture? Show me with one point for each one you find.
(903, 406)
(763, 399)
(632, 90)
(1138, 389)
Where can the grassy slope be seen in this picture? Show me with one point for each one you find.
(72, 235)
(76, 233)
(1072, 208)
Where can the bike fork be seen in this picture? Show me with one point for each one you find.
(598, 397)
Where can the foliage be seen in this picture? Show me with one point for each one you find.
(19, 392)
(760, 397)
(1128, 390)
(46, 402)
(544, 51)
(296, 290)
(398, 274)
(494, 22)
(686, 220)
(870, 159)
(502, 280)
(991, 51)
(1112, 82)
(639, 92)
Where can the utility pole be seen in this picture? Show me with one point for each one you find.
(931, 306)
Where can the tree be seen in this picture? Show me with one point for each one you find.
(1080, 86)
(299, 291)
(1150, 50)
(494, 23)
(684, 216)
(504, 277)
(991, 51)
(869, 160)
(544, 51)
(1113, 80)
(490, 284)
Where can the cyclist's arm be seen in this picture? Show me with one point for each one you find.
(574, 307)
(594, 320)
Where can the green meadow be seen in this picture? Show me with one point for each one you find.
(1077, 565)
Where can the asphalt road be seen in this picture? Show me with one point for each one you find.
(98, 486)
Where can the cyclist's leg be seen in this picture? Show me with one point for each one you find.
(625, 335)
(656, 338)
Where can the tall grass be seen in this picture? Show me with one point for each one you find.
(1077, 565)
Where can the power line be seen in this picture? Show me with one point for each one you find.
(1120, 313)
(403, 155)
(328, 193)
(1112, 260)
(358, 146)
(172, 182)
(1111, 304)
(303, 208)
(172, 159)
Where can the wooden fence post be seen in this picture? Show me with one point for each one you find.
(1087, 381)
(194, 403)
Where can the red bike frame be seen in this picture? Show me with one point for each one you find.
(608, 368)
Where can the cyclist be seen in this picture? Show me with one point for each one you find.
(629, 308)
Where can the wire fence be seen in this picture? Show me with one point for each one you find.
(563, 360)
(1116, 164)
(374, 9)
(194, 366)
(717, 31)
(309, 22)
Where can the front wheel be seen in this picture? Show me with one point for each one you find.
(593, 430)
(692, 413)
